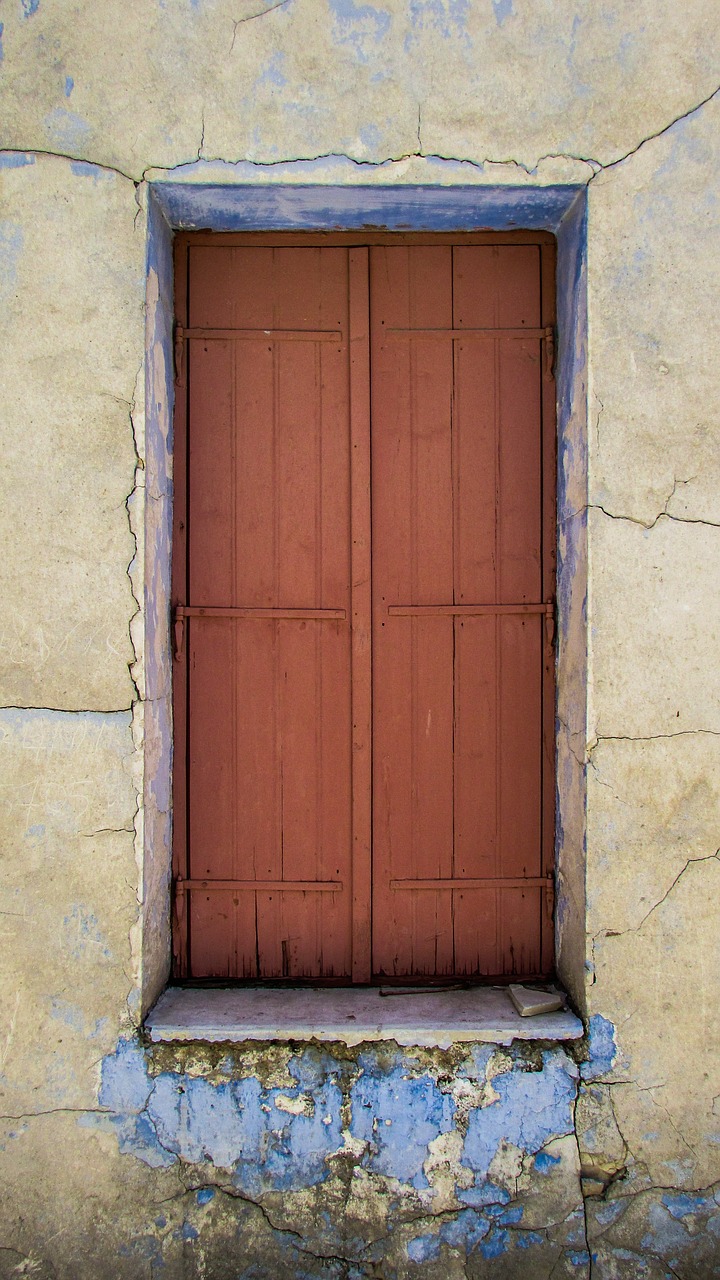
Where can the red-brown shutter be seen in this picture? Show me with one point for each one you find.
(459, 592)
(272, 579)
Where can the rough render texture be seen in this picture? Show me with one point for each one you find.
(282, 1162)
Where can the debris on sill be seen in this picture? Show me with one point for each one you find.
(533, 1000)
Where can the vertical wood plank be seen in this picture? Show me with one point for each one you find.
(548, 263)
(360, 611)
(412, 469)
(178, 594)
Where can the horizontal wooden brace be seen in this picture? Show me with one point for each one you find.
(258, 886)
(259, 335)
(241, 611)
(484, 335)
(488, 882)
(467, 610)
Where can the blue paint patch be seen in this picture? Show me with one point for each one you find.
(11, 247)
(544, 1162)
(466, 1231)
(83, 169)
(273, 73)
(605, 1214)
(16, 159)
(666, 1234)
(370, 136)
(125, 1085)
(36, 832)
(424, 1249)
(484, 1194)
(448, 18)
(533, 1107)
(526, 1239)
(237, 1126)
(189, 1232)
(205, 1195)
(496, 1244)
(602, 1046)
(135, 1136)
(398, 1115)
(2, 51)
(481, 1055)
(361, 26)
(503, 10)
(66, 130)
(69, 86)
(29, 7)
(682, 1205)
(581, 1258)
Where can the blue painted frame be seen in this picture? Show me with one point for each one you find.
(275, 206)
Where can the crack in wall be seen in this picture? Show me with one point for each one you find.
(69, 711)
(685, 115)
(531, 170)
(648, 525)
(648, 737)
(298, 1240)
(613, 933)
(239, 22)
(136, 530)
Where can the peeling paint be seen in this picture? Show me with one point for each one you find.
(375, 1114)
(602, 1048)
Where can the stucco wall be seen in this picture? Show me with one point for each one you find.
(121, 1161)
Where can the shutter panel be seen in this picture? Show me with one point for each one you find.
(459, 610)
(269, 693)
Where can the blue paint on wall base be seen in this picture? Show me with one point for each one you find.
(602, 1047)
(372, 1113)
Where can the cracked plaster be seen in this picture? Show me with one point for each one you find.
(71, 349)
(624, 102)
(304, 80)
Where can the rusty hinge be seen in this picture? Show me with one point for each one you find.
(549, 350)
(550, 892)
(178, 631)
(550, 621)
(179, 352)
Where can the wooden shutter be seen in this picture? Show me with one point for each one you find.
(462, 580)
(276, 656)
(267, 890)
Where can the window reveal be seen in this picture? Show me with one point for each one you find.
(364, 760)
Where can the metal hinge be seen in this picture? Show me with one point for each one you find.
(550, 621)
(549, 350)
(178, 631)
(179, 351)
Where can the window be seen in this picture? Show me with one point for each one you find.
(363, 579)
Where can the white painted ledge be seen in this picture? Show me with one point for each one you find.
(352, 1015)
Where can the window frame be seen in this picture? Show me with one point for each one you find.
(260, 200)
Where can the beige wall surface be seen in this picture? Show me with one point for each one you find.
(97, 104)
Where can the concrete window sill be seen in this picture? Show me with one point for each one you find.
(352, 1015)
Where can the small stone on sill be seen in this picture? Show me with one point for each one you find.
(530, 1001)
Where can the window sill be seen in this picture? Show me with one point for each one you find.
(351, 1015)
